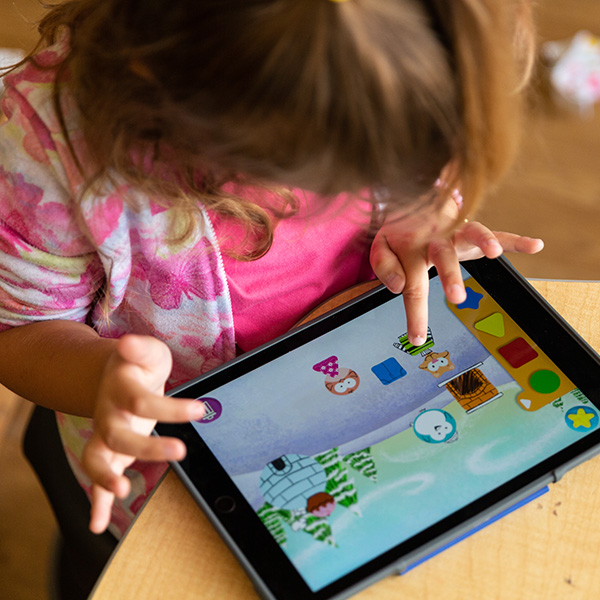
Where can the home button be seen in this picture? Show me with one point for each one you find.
(224, 504)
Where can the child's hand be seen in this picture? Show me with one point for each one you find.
(401, 256)
(130, 401)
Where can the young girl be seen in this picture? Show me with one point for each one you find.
(178, 178)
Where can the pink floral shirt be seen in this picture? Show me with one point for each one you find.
(56, 265)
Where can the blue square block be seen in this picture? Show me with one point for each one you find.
(388, 371)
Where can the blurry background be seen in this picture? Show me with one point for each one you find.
(553, 192)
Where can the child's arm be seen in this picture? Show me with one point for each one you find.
(402, 253)
(120, 383)
(57, 364)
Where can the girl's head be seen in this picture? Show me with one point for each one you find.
(329, 96)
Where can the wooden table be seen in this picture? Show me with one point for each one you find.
(546, 550)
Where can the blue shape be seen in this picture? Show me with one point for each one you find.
(472, 301)
(388, 371)
(590, 418)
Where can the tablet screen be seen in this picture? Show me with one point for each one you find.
(356, 441)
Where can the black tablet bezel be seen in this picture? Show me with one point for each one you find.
(260, 554)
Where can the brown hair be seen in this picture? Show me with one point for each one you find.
(331, 96)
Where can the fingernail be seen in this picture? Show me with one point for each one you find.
(171, 453)
(394, 283)
(418, 340)
(197, 411)
(457, 293)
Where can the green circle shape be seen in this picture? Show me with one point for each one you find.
(544, 381)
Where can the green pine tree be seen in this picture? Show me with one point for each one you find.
(273, 518)
(339, 484)
(318, 527)
(363, 462)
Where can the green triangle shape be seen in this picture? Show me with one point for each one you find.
(494, 325)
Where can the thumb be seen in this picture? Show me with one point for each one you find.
(146, 352)
(100, 513)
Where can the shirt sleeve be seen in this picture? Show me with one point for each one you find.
(48, 267)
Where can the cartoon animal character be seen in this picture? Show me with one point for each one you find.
(435, 426)
(437, 363)
(346, 382)
(338, 380)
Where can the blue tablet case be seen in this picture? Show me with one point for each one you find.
(477, 528)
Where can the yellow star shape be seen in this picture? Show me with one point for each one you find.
(582, 419)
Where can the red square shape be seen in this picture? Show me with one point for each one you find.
(517, 353)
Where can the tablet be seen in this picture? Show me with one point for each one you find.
(341, 453)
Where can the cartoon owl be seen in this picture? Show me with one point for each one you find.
(344, 383)
(338, 380)
(437, 363)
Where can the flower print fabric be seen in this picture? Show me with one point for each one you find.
(56, 262)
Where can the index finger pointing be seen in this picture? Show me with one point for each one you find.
(416, 293)
(162, 408)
